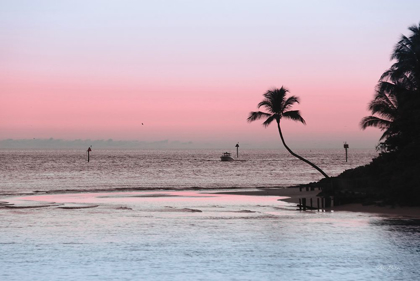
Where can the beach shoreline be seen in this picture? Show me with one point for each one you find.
(293, 195)
(289, 195)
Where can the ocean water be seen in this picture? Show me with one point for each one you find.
(104, 233)
(26, 171)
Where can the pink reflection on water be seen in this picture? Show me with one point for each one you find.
(155, 197)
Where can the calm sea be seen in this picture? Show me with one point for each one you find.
(150, 234)
(26, 171)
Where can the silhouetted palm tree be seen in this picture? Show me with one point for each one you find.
(396, 105)
(278, 107)
(406, 68)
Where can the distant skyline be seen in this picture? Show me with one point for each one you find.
(83, 144)
(191, 71)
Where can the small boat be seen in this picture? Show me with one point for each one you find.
(226, 157)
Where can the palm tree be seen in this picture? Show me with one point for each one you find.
(406, 54)
(384, 107)
(278, 107)
(396, 104)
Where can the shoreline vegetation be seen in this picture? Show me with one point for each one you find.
(393, 178)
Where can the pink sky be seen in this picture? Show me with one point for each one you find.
(193, 71)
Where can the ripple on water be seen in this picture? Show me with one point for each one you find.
(142, 242)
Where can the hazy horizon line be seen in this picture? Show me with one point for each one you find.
(53, 143)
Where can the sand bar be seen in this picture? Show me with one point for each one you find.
(294, 194)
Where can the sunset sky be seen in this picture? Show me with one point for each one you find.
(193, 70)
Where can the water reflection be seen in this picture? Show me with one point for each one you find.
(162, 236)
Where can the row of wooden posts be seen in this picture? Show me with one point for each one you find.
(312, 188)
(326, 202)
(321, 203)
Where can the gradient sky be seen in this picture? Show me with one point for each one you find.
(193, 70)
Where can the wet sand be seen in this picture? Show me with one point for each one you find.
(294, 194)
(290, 195)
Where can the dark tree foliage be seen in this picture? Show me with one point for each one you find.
(396, 104)
(393, 177)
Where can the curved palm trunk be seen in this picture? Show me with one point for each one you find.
(297, 156)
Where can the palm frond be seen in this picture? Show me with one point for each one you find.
(402, 49)
(289, 102)
(383, 109)
(384, 104)
(294, 115)
(266, 104)
(386, 134)
(391, 90)
(256, 115)
(276, 99)
(269, 120)
(415, 29)
(373, 121)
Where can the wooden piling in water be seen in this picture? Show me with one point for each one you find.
(328, 202)
(311, 203)
(304, 203)
(317, 203)
(237, 150)
(346, 146)
(322, 203)
(300, 204)
(88, 152)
